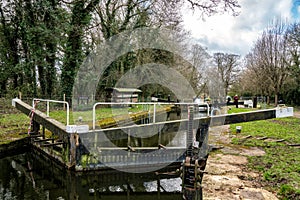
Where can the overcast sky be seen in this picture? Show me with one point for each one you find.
(228, 34)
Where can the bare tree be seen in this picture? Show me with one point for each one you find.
(199, 58)
(210, 7)
(227, 67)
(252, 79)
(271, 51)
(293, 48)
(292, 90)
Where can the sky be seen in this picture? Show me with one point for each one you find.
(229, 34)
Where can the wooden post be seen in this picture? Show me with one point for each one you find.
(43, 131)
(72, 149)
(35, 128)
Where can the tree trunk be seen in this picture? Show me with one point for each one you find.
(276, 99)
(3, 88)
(268, 100)
(42, 79)
(73, 51)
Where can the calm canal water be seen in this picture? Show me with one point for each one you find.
(29, 177)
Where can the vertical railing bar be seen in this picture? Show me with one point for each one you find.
(94, 116)
(47, 108)
(68, 113)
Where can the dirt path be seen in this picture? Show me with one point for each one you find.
(297, 114)
(228, 177)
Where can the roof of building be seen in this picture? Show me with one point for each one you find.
(124, 90)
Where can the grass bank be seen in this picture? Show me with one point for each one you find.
(280, 166)
(13, 124)
(13, 127)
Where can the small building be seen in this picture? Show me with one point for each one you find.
(122, 95)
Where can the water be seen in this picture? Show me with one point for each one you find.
(29, 177)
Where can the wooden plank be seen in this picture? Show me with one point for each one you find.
(263, 138)
(51, 144)
(44, 140)
(294, 145)
(281, 140)
(35, 136)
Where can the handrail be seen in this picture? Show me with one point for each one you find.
(52, 101)
(142, 103)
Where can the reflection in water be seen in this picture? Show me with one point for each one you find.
(29, 177)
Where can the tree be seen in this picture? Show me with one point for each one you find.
(114, 17)
(292, 92)
(40, 36)
(73, 54)
(30, 35)
(211, 7)
(44, 39)
(253, 80)
(271, 51)
(199, 59)
(10, 25)
(272, 61)
(227, 68)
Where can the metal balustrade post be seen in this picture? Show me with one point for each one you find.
(48, 108)
(68, 112)
(94, 116)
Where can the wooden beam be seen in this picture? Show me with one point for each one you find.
(35, 136)
(51, 144)
(44, 140)
(51, 124)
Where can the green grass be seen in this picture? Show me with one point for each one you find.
(13, 126)
(280, 166)
(239, 110)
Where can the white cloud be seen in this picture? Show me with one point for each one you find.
(231, 34)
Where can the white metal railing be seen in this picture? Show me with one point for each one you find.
(52, 101)
(143, 103)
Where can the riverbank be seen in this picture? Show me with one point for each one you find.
(260, 163)
(13, 123)
(228, 175)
